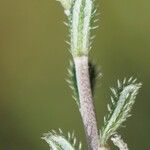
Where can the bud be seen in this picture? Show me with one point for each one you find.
(66, 4)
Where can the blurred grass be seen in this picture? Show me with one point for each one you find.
(34, 96)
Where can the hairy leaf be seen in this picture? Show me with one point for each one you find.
(122, 100)
(57, 141)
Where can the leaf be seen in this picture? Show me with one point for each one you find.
(73, 82)
(122, 100)
(57, 141)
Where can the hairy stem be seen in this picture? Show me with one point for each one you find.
(86, 102)
(118, 141)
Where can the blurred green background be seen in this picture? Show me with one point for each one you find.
(34, 97)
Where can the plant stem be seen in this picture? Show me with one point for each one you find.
(118, 141)
(86, 102)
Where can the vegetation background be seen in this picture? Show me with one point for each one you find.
(34, 97)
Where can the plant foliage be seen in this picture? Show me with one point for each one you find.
(57, 141)
(122, 100)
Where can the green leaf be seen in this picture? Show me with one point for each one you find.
(72, 81)
(122, 100)
(57, 141)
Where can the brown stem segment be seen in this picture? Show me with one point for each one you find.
(86, 102)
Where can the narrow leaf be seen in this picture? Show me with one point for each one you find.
(57, 141)
(122, 100)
